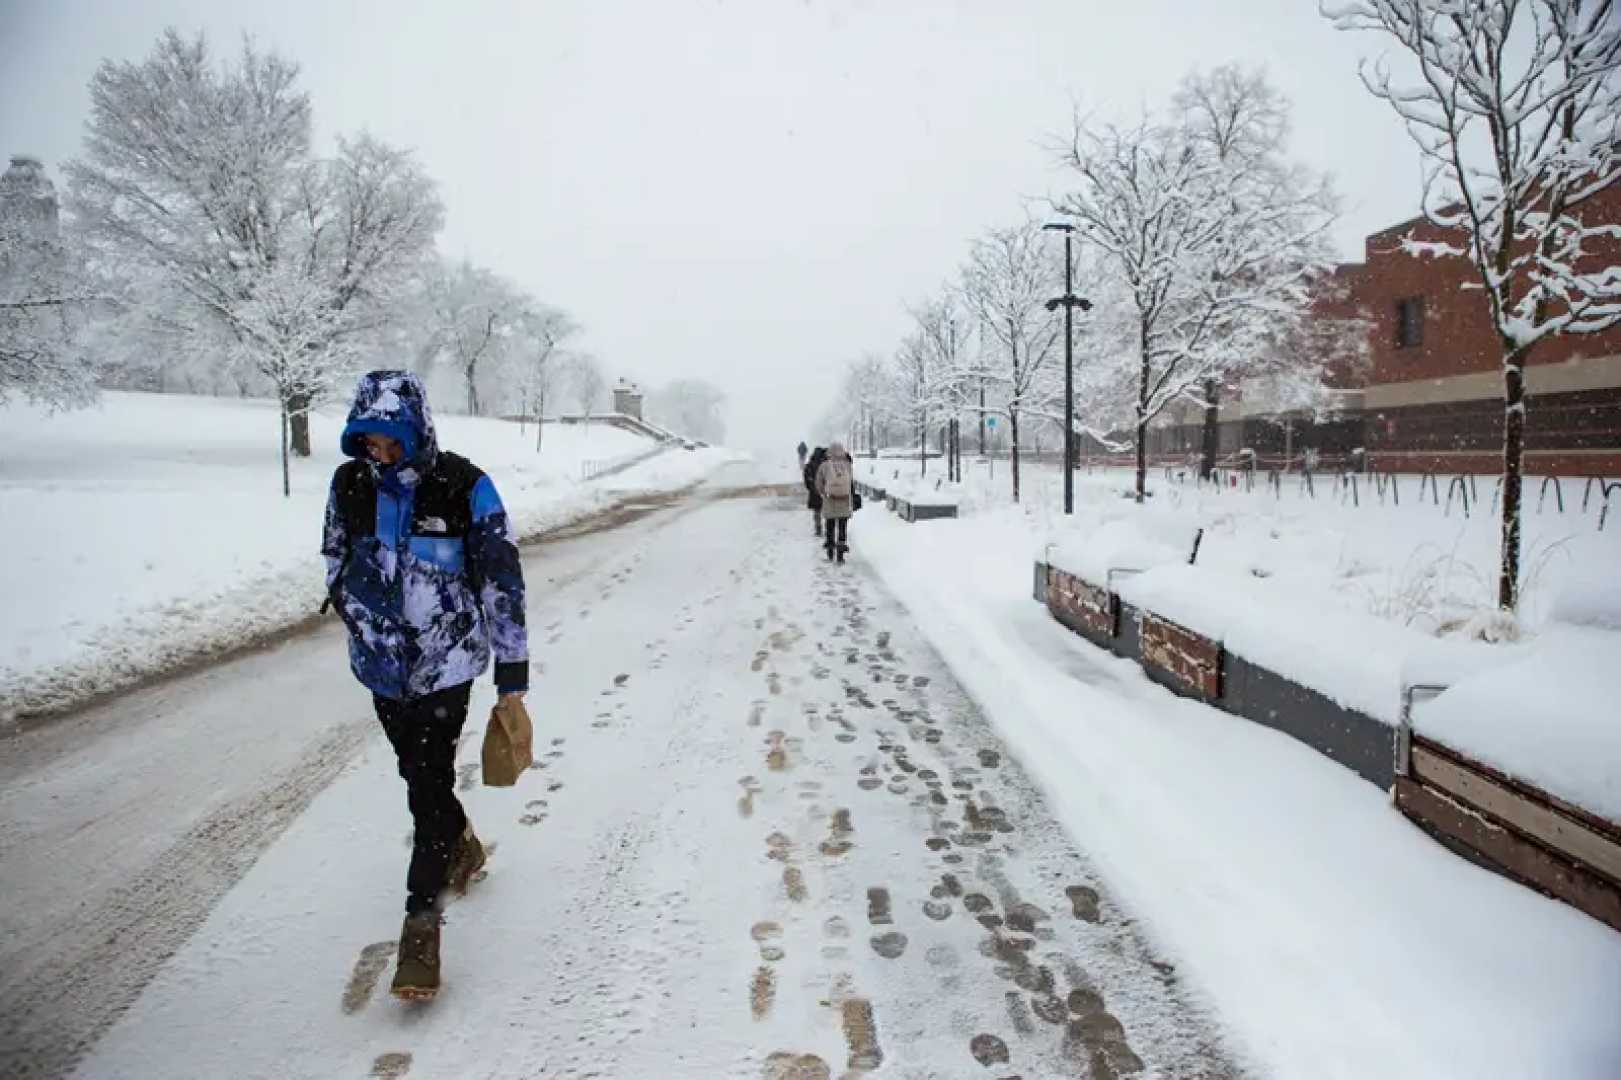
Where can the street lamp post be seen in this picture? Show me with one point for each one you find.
(1070, 302)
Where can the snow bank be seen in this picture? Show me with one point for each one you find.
(151, 529)
(1116, 544)
(1548, 717)
(1542, 711)
(901, 479)
(1357, 661)
(1337, 940)
(1416, 565)
(1353, 602)
(1591, 598)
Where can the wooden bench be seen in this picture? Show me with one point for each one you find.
(1513, 827)
(920, 511)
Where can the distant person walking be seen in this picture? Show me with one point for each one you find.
(423, 569)
(813, 496)
(835, 482)
(803, 450)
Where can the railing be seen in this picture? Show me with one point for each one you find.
(1462, 489)
(1387, 480)
(1604, 511)
(1348, 483)
(1428, 476)
(1558, 492)
(1404, 728)
(596, 469)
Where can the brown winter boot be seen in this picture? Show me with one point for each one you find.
(466, 860)
(416, 971)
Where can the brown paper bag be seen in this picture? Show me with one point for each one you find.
(509, 743)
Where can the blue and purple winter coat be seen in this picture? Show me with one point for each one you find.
(420, 557)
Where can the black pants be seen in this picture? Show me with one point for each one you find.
(816, 516)
(424, 731)
(838, 532)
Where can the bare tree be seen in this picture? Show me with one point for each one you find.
(478, 313)
(201, 176)
(1243, 121)
(1516, 110)
(1007, 283)
(1209, 251)
(867, 389)
(45, 296)
(544, 331)
(690, 407)
(588, 382)
(945, 334)
(863, 405)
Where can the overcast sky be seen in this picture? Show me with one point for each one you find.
(748, 191)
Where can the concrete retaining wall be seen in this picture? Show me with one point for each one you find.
(1199, 667)
(1488, 817)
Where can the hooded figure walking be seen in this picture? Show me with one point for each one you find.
(813, 497)
(423, 569)
(835, 482)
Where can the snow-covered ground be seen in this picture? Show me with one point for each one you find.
(1357, 601)
(1424, 567)
(151, 528)
(1339, 940)
(787, 816)
(767, 836)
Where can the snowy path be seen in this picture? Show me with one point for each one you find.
(123, 824)
(767, 836)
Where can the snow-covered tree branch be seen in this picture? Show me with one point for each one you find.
(1515, 106)
(1210, 236)
(1010, 277)
(200, 176)
(46, 296)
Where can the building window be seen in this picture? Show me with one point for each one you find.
(1410, 322)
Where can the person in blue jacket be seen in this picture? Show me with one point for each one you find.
(424, 571)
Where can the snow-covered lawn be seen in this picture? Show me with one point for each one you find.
(1416, 565)
(152, 527)
(1338, 938)
(1355, 601)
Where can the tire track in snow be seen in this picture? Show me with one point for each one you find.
(98, 960)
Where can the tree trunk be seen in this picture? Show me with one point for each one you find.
(297, 407)
(1508, 578)
(1142, 457)
(286, 468)
(982, 422)
(540, 420)
(923, 446)
(1013, 429)
(471, 372)
(1212, 430)
(1142, 412)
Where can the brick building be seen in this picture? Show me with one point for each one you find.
(1429, 394)
(1435, 385)
(1250, 421)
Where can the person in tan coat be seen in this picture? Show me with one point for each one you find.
(835, 482)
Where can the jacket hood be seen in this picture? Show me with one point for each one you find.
(838, 452)
(392, 403)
